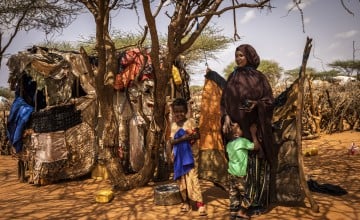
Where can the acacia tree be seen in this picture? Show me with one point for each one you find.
(48, 16)
(272, 71)
(347, 67)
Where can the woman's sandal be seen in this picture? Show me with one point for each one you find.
(202, 211)
(185, 207)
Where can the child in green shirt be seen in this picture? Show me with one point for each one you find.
(237, 150)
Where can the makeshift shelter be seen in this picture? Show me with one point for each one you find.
(56, 136)
(51, 122)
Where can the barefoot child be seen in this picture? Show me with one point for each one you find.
(184, 134)
(237, 149)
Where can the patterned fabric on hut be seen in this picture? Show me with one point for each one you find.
(80, 141)
(61, 155)
(136, 143)
(55, 73)
(87, 106)
(213, 163)
(128, 107)
(50, 149)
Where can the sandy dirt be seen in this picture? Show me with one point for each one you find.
(76, 199)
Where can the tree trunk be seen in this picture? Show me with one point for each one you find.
(107, 127)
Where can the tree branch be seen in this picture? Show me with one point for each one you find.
(155, 47)
(260, 5)
(158, 9)
(17, 28)
(344, 6)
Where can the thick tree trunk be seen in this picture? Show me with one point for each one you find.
(107, 126)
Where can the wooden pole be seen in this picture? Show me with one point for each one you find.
(299, 109)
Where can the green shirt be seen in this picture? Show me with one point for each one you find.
(237, 150)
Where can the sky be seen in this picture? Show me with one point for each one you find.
(277, 35)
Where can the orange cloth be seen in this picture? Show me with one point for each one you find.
(209, 125)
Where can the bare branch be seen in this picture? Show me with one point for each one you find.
(12, 36)
(158, 9)
(260, 5)
(113, 5)
(155, 47)
(297, 2)
(297, 5)
(236, 36)
(346, 8)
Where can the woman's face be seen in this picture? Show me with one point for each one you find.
(240, 59)
(179, 113)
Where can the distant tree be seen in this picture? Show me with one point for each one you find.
(48, 16)
(347, 67)
(272, 71)
(293, 74)
(195, 89)
(7, 93)
(206, 46)
(229, 69)
(325, 75)
(59, 45)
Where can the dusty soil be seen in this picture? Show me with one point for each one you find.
(75, 199)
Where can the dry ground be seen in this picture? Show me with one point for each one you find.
(75, 199)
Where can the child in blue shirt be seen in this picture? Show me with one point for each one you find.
(185, 134)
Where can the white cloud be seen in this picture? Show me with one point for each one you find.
(249, 15)
(291, 53)
(348, 34)
(307, 20)
(334, 45)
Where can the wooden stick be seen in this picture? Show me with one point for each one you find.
(299, 109)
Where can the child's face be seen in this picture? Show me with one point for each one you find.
(236, 130)
(179, 113)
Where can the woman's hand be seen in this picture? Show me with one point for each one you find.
(257, 145)
(226, 128)
(253, 130)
